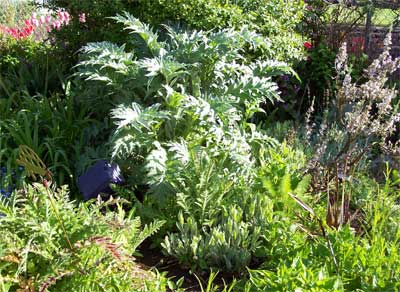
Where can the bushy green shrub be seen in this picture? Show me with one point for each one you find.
(276, 20)
(50, 242)
(317, 82)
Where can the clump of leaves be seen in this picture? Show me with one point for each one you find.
(198, 63)
(35, 254)
(180, 88)
(275, 20)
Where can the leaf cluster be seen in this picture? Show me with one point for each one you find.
(35, 254)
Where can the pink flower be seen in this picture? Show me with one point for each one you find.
(37, 25)
(82, 17)
(67, 18)
(56, 24)
(35, 22)
(61, 16)
(307, 45)
(28, 31)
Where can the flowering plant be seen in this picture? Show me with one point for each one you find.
(362, 117)
(39, 26)
(307, 45)
(9, 180)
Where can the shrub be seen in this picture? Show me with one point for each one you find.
(29, 67)
(317, 82)
(276, 20)
(13, 12)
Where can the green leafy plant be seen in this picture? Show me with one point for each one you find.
(183, 135)
(212, 61)
(35, 253)
(13, 12)
(317, 82)
(342, 258)
(29, 67)
(47, 125)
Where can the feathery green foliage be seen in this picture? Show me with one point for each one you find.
(35, 253)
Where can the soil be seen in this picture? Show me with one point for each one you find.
(153, 258)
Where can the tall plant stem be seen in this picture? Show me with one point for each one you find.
(53, 205)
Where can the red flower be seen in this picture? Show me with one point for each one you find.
(307, 45)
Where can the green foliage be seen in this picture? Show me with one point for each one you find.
(198, 63)
(223, 207)
(35, 253)
(316, 85)
(317, 82)
(276, 20)
(358, 259)
(177, 110)
(218, 224)
(14, 12)
(48, 126)
(29, 67)
(183, 133)
(97, 27)
(212, 287)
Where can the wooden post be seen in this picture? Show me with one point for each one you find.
(368, 26)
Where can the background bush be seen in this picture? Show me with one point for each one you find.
(276, 20)
(14, 12)
(30, 67)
